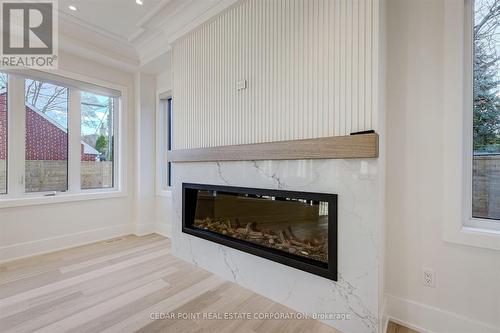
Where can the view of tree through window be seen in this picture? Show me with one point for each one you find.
(486, 125)
(97, 141)
(50, 153)
(3, 133)
(46, 166)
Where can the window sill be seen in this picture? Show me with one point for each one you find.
(59, 198)
(474, 236)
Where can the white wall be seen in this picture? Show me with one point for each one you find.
(145, 118)
(311, 68)
(28, 230)
(164, 214)
(164, 207)
(154, 80)
(164, 81)
(467, 293)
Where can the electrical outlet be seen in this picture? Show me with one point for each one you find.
(429, 278)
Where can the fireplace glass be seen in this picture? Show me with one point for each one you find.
(296, 226)
(298, 229)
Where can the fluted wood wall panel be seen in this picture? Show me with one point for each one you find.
(311, 68)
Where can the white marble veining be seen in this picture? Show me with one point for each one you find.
(357, 183)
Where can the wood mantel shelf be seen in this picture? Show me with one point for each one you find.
(334, 147)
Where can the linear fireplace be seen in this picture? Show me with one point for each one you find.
(298, 229)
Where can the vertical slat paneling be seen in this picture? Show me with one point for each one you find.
(310, 67)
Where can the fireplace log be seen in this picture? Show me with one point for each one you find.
(297, 243)
(284, 239)
(242, 231)
(285, 242)
(290, 232)
(273, 237)
(250, 227)
(282, 236)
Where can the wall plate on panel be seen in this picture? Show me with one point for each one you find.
(240, 85)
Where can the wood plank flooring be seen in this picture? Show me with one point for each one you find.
(115, 286)
(396, 328)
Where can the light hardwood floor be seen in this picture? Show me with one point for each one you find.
(115, 286)
(396, 328)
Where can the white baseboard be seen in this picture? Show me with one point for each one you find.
(384, 321)
(41, 246)
(427, 319)
(163, 229)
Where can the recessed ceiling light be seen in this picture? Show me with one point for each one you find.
(73, 8)
(139, 2)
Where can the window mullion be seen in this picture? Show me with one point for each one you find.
(74, 141)
(115, 144)
(16, 136)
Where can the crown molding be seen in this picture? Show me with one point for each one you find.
(153, 12)
(148, 55)
(181, 9)
(98, 54)
(65, 18)
(155, 33)
(203, 17)
(142, 25)
(137, 34)
(86, 40)
(188, 18)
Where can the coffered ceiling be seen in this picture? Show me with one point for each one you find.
(137, 34)
(120, 18)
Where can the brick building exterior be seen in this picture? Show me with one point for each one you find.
(45, 139)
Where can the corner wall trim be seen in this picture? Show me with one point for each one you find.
(163, 229)
(429, 319)
(143, 229)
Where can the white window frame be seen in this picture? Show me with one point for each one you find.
(458, 224)
(162, 189)
(472, 222)
(16, 195)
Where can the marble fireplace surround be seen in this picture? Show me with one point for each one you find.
(357, 183)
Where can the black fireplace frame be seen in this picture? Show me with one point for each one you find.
(327, 270)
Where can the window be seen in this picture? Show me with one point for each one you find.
(97, 141)
(169, 139)
(486, 110)
(3, 133)
(164, 143)
(65, 139)
(46, 147)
